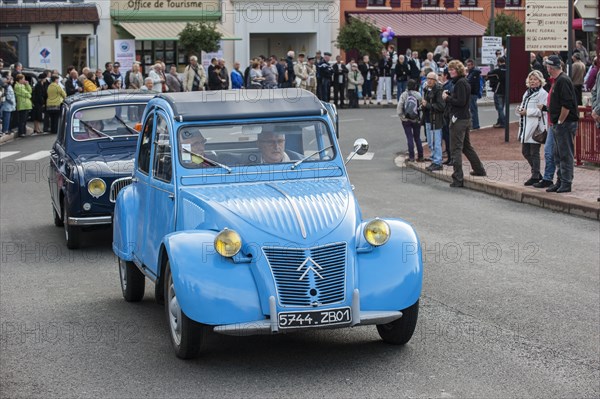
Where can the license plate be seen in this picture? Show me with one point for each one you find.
(315, 318)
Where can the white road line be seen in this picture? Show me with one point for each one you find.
(35, 156)
(366, 157)
(4, 154)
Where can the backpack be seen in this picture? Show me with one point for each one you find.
(411, 107)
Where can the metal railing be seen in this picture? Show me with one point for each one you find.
(587, 140)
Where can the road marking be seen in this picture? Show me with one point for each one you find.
(35, 156)
(4, 154)
(366, 157)
(352, 120)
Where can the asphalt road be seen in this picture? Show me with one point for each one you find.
(510, 304)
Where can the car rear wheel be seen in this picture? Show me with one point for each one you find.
(187, 336)
(72, 233)
(133, 281)
(400, 331)
(58, 222)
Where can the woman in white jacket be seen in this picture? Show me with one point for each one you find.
(532, 118)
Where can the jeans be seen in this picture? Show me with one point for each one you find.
(6, 121)
(385, 82)
(531, 152)
(434, 141)
(474, 111)
(564, 150)
(367, 89)
(325, 88)
(412, 131)
(401, 85)
(461, 144)
(550, 167)
(499, 104)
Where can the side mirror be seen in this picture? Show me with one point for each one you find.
(361, 146)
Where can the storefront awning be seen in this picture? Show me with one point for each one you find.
(424, 25)
(164, 30)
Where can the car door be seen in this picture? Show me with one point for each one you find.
(161, 193)
(56, 175)
(140, 182)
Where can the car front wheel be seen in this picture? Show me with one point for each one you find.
(187, 336)
(133, 281)
(58, 222)
(400, 331)
(72, 233)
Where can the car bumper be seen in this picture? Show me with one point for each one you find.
(90, 221)
(270, 326)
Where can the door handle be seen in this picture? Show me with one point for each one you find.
(172, 196)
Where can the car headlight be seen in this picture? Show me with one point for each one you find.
(228, 243)
(96, 187)
(377, 232)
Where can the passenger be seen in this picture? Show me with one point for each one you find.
(192, 149)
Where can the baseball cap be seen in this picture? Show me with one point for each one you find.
(327, 53)
(301, 55)
(553, 60)
(116, 65)
(311, 58)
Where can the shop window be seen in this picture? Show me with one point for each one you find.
(376, 3)
(468, 3)
(430, 3)
(513, 3)
(9, 49)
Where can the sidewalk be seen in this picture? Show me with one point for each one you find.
(507, 170)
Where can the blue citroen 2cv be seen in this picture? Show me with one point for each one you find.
(240, 211)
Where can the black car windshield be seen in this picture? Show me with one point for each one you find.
(106, 121)
(251, 144)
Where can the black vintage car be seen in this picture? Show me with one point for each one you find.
(92, 157)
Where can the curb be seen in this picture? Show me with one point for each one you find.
(569, 205)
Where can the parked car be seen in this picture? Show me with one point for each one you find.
(240, 211)
(93, 151)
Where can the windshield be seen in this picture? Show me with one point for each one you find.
(106, 122)
(251, 144)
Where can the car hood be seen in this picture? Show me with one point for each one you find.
(116, 164)
(293, 210)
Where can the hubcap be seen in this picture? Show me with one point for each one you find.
(174, 314)
(123, 271)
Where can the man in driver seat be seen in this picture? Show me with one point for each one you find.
(192, 146)
(272, 147)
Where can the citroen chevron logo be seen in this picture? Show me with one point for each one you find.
(309, 264)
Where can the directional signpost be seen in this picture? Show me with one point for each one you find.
(547, 25)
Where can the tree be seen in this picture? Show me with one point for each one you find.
(506, 24)
(361, 36)
(199, 36)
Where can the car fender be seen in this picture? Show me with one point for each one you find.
(124, 223)
(390, 277)
(211, 289)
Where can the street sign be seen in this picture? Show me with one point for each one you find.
(489, 46)
(547, 25)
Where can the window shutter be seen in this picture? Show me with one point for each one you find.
(449, 3)
(394, 3)
(500, 3)
(415, 3)
(361, 3)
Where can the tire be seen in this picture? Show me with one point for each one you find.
(72, 233)
(187, 336)
(58, 222)
(133, 281)
(400, 331)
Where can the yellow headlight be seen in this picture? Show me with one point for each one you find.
(228, 243)
(377, 232)
(96, 187)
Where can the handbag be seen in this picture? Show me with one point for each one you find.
(540, 134)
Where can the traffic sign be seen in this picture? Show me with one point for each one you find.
(546, 25)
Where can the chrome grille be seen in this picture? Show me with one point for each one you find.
(117, 186)
(307, 276)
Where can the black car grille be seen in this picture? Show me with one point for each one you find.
(309, 277)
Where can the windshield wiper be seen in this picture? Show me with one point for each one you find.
(93, 129)
(209, 161)
(295, 165)
(131, 130)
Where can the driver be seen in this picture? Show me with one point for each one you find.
(192, 148)
(272, 147)
(90, 130)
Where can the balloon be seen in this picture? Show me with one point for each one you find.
(384, 40)
(383, 30)
(389, 28)
(385, 34)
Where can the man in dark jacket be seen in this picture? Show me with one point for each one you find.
(460, 124)
(291, 75)
(497, 83)
(325, 73)
(563, 119)
(108, 79)
(340, 78)
(435, 106)
(474, 76)
(401, 71)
